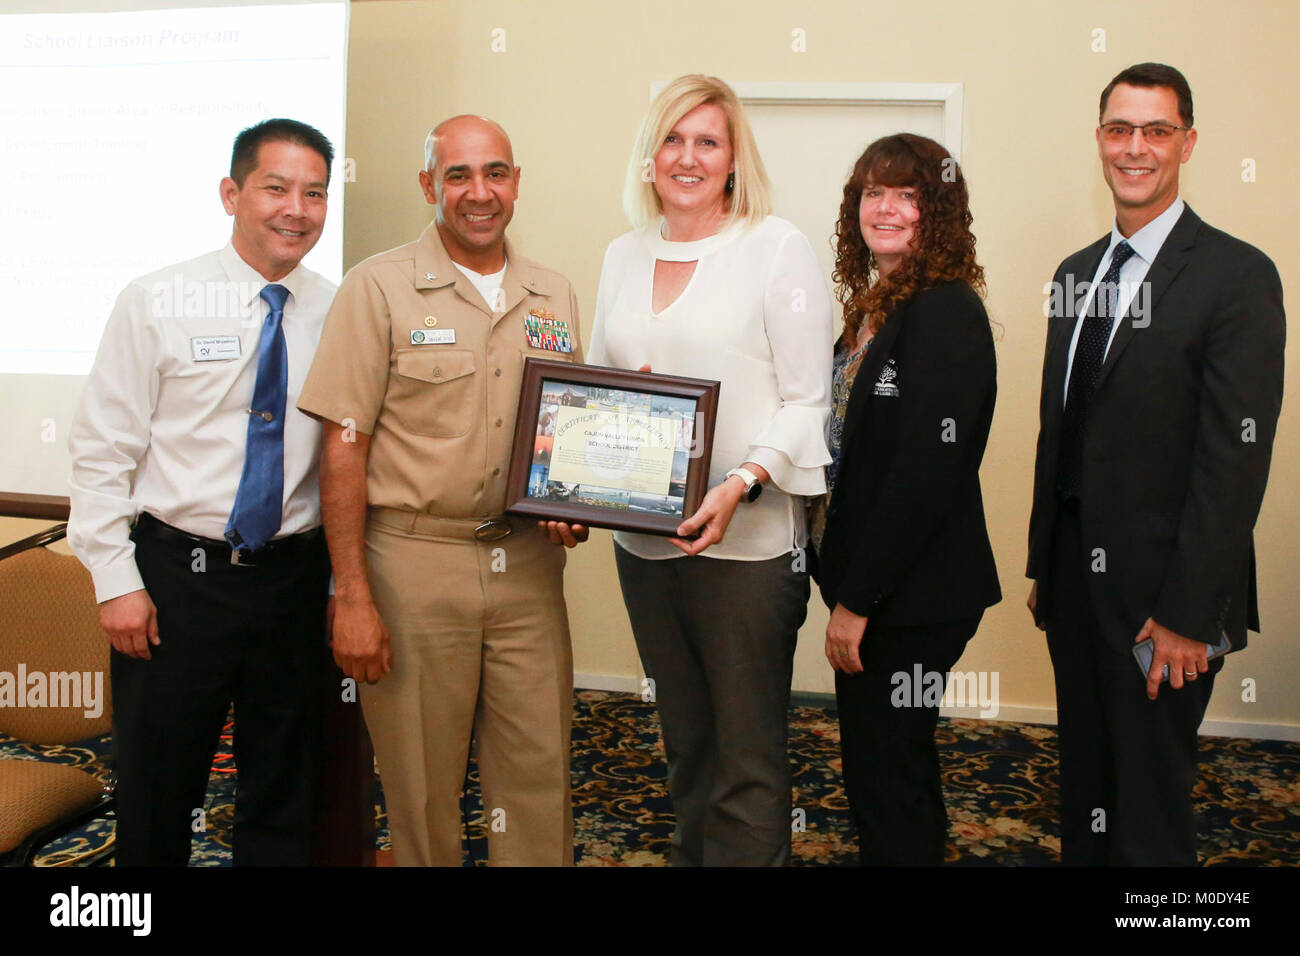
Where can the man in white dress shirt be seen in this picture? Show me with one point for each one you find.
(195, 506)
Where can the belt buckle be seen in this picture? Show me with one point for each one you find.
(493, 529)
(244, 562)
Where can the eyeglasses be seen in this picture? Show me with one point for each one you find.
(1152, 132)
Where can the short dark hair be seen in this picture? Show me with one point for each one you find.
(1149, 75)
(243, 158)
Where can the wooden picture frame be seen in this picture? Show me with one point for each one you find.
(610, 448)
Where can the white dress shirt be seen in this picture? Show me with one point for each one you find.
(1146, 242)
(163, 422)
(756, 316)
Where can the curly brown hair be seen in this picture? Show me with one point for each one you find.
(944, 248)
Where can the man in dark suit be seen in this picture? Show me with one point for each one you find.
(1162, 384)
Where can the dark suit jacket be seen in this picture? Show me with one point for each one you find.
(1177, 441)
(905, 540)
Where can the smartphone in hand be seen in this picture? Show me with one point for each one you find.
(1144, 650)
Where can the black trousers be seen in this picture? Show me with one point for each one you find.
(344, 831)
(1128, 764)
(717, 637)
(251, 636)
(891, 762)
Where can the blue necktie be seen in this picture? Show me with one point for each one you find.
(258, 501)
(1089, 353)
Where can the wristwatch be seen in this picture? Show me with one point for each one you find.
(753, 487)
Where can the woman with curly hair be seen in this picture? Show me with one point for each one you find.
(903, 555)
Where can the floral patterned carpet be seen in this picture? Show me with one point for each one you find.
(999, 781)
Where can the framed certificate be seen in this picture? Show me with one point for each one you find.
(611, 448)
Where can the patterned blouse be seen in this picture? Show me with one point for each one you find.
(844, 369)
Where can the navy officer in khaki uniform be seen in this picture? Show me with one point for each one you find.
(452, 615)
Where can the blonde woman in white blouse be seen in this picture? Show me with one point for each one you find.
(710, 285)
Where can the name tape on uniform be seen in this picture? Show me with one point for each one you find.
(433, 337)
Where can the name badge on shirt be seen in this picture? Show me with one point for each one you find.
(214, 348)
(433, 337)
(545, 331)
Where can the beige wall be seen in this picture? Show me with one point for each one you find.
(572, 85)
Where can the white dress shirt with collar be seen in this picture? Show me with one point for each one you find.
(163, 422)
(1146, 243)
(756, 316)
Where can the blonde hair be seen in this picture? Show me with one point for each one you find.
(750, 200)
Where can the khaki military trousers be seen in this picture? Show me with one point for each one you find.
(480, 648)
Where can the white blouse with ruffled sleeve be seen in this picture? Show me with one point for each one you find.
(756, 316)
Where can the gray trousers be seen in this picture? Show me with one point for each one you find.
(717, 637)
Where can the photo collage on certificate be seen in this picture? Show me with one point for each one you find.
(612, 448)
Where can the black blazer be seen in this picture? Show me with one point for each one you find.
(905, 539)
(1177, 441)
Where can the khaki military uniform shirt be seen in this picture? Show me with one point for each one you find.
(413, 356)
